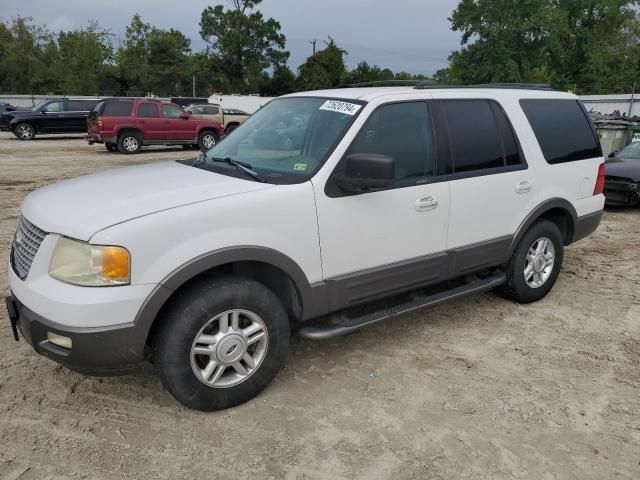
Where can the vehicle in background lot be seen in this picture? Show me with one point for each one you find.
(186, 101)
(7, 107)
(230, 118)
(246, 103)
(128, 124)
(396, 199)
(64, 115)
(622, 177)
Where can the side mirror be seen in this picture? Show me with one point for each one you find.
(613, 154)
(44, 110)
(184, 116)
(365, 172)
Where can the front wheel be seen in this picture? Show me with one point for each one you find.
(535, 264)
(221, 342)
(24, 131)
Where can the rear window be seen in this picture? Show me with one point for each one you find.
(562, 129)
(117, 109)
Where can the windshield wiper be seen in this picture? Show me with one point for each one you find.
(242, 166)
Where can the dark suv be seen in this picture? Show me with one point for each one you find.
(62, 115)
(127, 124)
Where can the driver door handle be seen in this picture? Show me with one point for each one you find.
(426, 203)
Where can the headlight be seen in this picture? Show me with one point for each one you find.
(81, 263)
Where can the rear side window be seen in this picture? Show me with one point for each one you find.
(212, 110)
(403, 131)
(480, 136)
(117, 109)
(562, 129)
(148, 110)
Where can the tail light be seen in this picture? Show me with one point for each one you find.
(99, 122)
(600, 181)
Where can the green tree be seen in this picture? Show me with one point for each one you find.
(82, 60)
(325, 69)
(591, 43)
(369, 73)
(168, 60)
(24, 58)
(242, 43)
(282, 81)
(133, 57)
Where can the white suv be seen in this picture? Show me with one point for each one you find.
(411, 195)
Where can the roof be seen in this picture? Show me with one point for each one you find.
(368, 94)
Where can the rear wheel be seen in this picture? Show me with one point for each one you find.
(24, 131)
(535, 264)
(129, 143)
(221, 343)
(230, 128)
(207, 140)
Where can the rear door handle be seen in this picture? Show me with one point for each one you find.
(426, 203)
(523, 187)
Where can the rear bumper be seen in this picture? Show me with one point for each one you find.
(586, 225)
(98, 138)
(94, 351)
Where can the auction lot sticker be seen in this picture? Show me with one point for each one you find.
(340, 107)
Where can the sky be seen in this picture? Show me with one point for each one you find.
(408, 35)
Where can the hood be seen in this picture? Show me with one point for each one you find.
(82, 206)
(618, 167)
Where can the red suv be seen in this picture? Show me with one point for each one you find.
(126, 124)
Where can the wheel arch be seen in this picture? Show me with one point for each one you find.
(270, 267)
(557, 210)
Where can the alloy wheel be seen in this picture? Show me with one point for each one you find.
(539, 262)
(229, 348)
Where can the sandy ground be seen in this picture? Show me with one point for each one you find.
(480, 388)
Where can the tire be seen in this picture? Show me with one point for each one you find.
(129, 143)
(24, 131)
(230, 129)
(188, 374)
(528, 261)
(110, 147)
(205, 138)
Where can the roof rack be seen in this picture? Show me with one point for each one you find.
(382, 83)
(516, 86)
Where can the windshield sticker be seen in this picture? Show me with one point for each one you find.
(301, 167)
(340, 107)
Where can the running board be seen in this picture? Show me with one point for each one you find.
(340, 325)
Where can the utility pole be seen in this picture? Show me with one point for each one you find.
(193, 86)
(313, 42)
(633, 94)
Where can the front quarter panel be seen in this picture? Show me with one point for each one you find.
(281, 218)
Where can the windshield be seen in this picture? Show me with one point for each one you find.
(630, 152)
(287, 140)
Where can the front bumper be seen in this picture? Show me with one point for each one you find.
(94, 351)
(621, 192)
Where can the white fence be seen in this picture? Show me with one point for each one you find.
(599, 103)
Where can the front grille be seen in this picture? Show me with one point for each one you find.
(25, 246)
